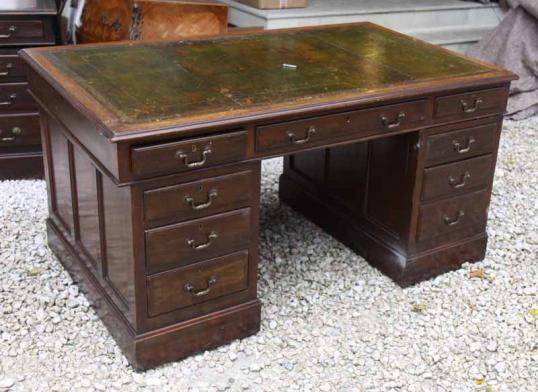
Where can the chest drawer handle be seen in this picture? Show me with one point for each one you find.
(396, 123)
(212, 236)
(200, 293)
(11, 31)
(454, 221)
(309, 133)
(454, 183)
(202, 206)
(460, 149)
(7, 69)
(11, 101)
(470, 109)
(185, 158)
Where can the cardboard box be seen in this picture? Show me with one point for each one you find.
(275, 4)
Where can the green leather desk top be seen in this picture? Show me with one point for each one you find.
(207, 79)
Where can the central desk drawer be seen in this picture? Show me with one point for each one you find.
(198, 198)
(465, 214)
(198, 283)
(295, 135)
(15, 97)
(456, 178)
(189, 154)
(185, 243)
(462, 144)
(11, 68)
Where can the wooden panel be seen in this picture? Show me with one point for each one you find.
(118, 233)
(88, 217)
(197, 283)
(14, 96)
(17, 166)
(17, 130)
(189, 154)
(185, 243)
(390, 183)
(472, 104)
(295, 135)
(311, 165)
(198, 198)
(466, 143)
(456, 178)
(12, 68)
(63, 204)
(464, 214)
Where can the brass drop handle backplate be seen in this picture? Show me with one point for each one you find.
(11, 30)
(454, 221)
(459, 147)
(212, 194)
(457, 184)
(7, 68)
(394, 124)
(185, 158)
(212, 236)
(200, 293)
(309, 133)
(468, 108)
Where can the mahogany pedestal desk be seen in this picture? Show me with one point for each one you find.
(153, 154)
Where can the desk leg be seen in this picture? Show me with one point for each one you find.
(367, 195)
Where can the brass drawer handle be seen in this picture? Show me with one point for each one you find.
(395, 124)
(202, 206)
(471, 109)
(185, 158)
(11, 31)
(462, 181)
(309, 133)
(15, 131)
(462, 150)
(200, 293)
(11, 101)
(8, 68)
(212, 236)
(453, 222)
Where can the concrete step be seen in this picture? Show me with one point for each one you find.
(395, 14)
(458, 38)
(454, 24)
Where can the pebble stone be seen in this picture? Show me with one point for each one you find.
(330, 322)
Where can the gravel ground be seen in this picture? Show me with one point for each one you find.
(330, 321)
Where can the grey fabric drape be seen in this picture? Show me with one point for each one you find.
(514, 45)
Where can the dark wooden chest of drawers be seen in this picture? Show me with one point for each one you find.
(22, 24)
(154, 177)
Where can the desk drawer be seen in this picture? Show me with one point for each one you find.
(13, 31)
(189, 154)
(199, 198)
(185, 243)
(462, 144)
(472, 104)
(295, 135)
(19, 130)
(11, 68)
(465, 214)
(198, 283)
(15, 97)
(456, 178)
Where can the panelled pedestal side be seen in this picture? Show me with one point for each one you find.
(20, 144)
(414, 205)
(170, 264)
